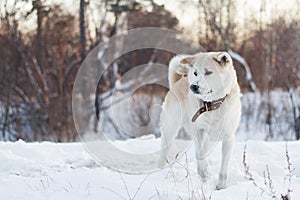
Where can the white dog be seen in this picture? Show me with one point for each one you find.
(204, 99)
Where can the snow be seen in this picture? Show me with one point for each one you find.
(66, 171)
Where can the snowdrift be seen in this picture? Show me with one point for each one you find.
(66, 171)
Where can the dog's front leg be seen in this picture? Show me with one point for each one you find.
(169, 131)
(201, 149)
(226, 153)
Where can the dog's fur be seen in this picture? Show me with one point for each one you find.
(215, 76)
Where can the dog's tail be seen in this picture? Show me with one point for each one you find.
(176, 70)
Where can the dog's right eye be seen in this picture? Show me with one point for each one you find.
(195, 73)
(207, 73)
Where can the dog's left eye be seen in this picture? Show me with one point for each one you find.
(195, 73)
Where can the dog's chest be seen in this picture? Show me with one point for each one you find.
(210, 119)
(214, 123)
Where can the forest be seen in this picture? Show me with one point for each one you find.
(43, 44)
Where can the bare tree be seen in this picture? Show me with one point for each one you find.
(223, 29)
(82, 29)
(38, 98)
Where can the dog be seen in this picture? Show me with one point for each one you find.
(204, 100)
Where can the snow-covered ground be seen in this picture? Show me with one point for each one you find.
(66, 171)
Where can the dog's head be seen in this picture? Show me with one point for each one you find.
(211, 75)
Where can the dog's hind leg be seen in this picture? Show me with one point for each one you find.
(226, 153)
(201, 150)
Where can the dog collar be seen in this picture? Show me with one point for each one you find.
(208, 106)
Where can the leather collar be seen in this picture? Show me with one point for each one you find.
(208, 106)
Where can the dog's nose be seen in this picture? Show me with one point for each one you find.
(194, 88)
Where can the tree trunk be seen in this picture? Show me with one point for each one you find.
(6, 115)
(82, 29)
(39, 35)
(296, 120)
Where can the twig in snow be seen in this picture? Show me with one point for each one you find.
(125, 186)
(192, 192)
(204, 195)
(289, 175)
(114, 192)
(140, 186)
(138, 189)
(249, 176)
(268, 180)
(157, 193)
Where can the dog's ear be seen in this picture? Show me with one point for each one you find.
(181, 64)
(187, 61)
(223, 58)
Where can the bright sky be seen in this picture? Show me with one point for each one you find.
(187, 13)
(245, 8)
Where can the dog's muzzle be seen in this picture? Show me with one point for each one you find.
(195, 88)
